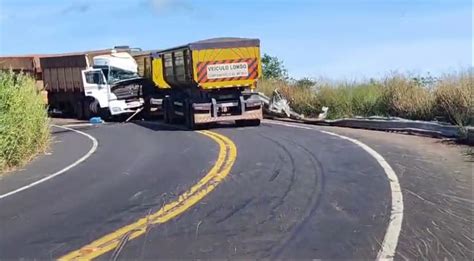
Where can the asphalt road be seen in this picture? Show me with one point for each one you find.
(272, 191)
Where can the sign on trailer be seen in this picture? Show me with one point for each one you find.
(218, 71)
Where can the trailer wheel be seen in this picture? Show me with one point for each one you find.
(189, 115)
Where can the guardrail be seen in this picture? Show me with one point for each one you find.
(278, 108)
(470, 135)
(431, 129)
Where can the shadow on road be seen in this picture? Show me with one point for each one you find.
(161, 126)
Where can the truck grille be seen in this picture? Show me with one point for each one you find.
(130, 89)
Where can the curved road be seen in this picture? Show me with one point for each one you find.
(152, 191)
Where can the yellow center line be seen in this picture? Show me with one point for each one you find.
(222, 166)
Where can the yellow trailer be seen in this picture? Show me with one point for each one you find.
(208, 81)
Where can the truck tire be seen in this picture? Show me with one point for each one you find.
(104, 113)
(243, 123)
(146, 113)
(166, 115)
(255, 122)
(189, 115)
(79, 110)
(86, 109)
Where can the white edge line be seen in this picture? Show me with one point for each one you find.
(77, 162)
(77, 125)
(390, 241)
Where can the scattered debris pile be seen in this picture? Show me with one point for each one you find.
(277, 106)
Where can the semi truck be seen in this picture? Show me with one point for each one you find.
(97, 83)
(203, 82)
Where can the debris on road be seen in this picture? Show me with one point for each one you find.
(134, 114)
(96, 120)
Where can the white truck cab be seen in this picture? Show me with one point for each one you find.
(110, 82)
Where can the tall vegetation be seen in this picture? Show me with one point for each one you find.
(24, 128)
(448, 98)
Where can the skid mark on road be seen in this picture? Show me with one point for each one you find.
(312, 203)
(275, 251)
(293, 172)
(95, 144)
(116, 240)
(390, 241)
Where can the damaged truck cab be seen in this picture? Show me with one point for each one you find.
(99, 83)
(118, 72)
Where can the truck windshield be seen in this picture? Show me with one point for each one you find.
(116, 74)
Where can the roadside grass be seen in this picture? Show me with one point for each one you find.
(24, 124)
(449, 98)
(454, 98)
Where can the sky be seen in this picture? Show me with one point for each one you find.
(336, 39)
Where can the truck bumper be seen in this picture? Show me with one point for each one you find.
(120, 106)
(200, 118)
(249, 109)
(156, 107)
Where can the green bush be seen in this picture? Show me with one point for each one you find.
(24, 126)
(351, 99)
(337, 98)
(367, 100)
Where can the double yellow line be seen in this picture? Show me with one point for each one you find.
(225, 161)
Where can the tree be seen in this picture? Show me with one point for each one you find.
(273, 68)
(305, 82)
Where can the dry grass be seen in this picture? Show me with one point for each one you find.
(454, 98)
(406, 98)
(24, 128)
(449, 98)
